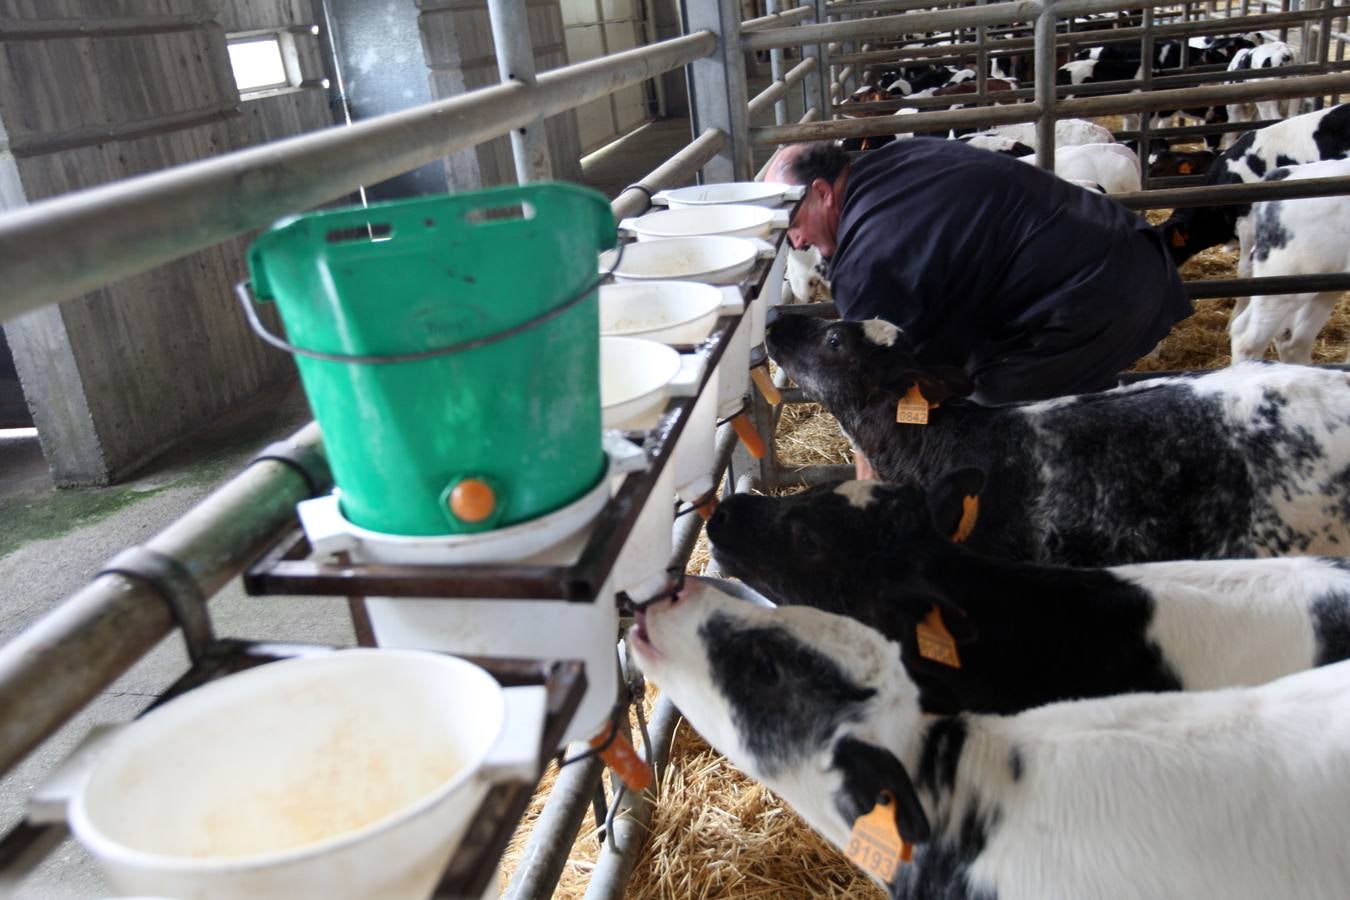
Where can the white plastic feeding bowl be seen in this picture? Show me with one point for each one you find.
(723, 220)
(634, 379)
(714, 260)
(757, 193)
(671, 312)
(350, 774)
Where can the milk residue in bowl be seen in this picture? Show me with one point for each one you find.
(356, 782)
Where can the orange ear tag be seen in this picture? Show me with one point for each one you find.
(624, 759)
(1178, 238)
(970, 511)
(912, 408)
(1184, 168)
(875, 845)
(936, 642)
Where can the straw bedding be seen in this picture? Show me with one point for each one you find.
(716, 834)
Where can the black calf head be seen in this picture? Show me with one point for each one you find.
(858, 548)
(848, 366)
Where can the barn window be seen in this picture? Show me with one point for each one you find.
(258, 63)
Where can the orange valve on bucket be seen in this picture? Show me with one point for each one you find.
(473, 501)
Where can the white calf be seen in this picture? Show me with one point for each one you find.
(1113, 166)
(1068, 132)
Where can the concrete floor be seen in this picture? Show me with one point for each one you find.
(54, 542)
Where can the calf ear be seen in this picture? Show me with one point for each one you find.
(868, 770)
(936, 383)
(952, 514)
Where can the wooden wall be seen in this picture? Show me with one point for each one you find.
(93, 91)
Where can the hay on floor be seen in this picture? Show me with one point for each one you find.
(715, 834)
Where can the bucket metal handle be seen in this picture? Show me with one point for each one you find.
(243, 290)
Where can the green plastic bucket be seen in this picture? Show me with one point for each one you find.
(515, 419)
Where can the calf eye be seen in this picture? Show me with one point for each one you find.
(833, 340)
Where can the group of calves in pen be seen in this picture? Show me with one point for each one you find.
(1095, 646)
(1045, 648)
(1275, 237)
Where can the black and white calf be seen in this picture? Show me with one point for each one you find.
(1270, 55)
(1236, 794)
(1252, 460)
(1314, 136)
(1293, 237)
(1029, 634)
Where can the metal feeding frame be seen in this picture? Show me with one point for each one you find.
(286, 568)
(474, 861)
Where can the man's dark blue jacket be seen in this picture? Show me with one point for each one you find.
(1037, 287)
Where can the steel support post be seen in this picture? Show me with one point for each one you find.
(1323, 45)
(545, 855)
(824, 100)
(720, 98)
(515, 62)
(780, 108)
(1146, 75)
(1045, 86)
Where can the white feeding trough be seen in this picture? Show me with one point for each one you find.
(350, 774)
(637, 378)
(675, 312)
(757, 193)
(712, 260)
(672, 312)
(722, 220)
(491, 628)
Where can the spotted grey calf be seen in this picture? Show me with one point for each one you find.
(1237, 794)
(1252, 460)
(1027, 634)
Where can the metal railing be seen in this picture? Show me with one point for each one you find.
(64, 247)
(67, 246)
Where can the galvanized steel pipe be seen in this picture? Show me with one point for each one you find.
(62, 661)
(1222, 194)
(1212, 95)
(1045, 89)
(786, 17)
(878, 125)
(515, 62)
(66, 246)
(908, 23)
(868, 6)
(545, 854)
(609, 879)
(686, 161)
(777, 89)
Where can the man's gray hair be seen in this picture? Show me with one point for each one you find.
(818, 159)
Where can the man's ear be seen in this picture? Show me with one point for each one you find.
(867, 771)
(952, 514)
